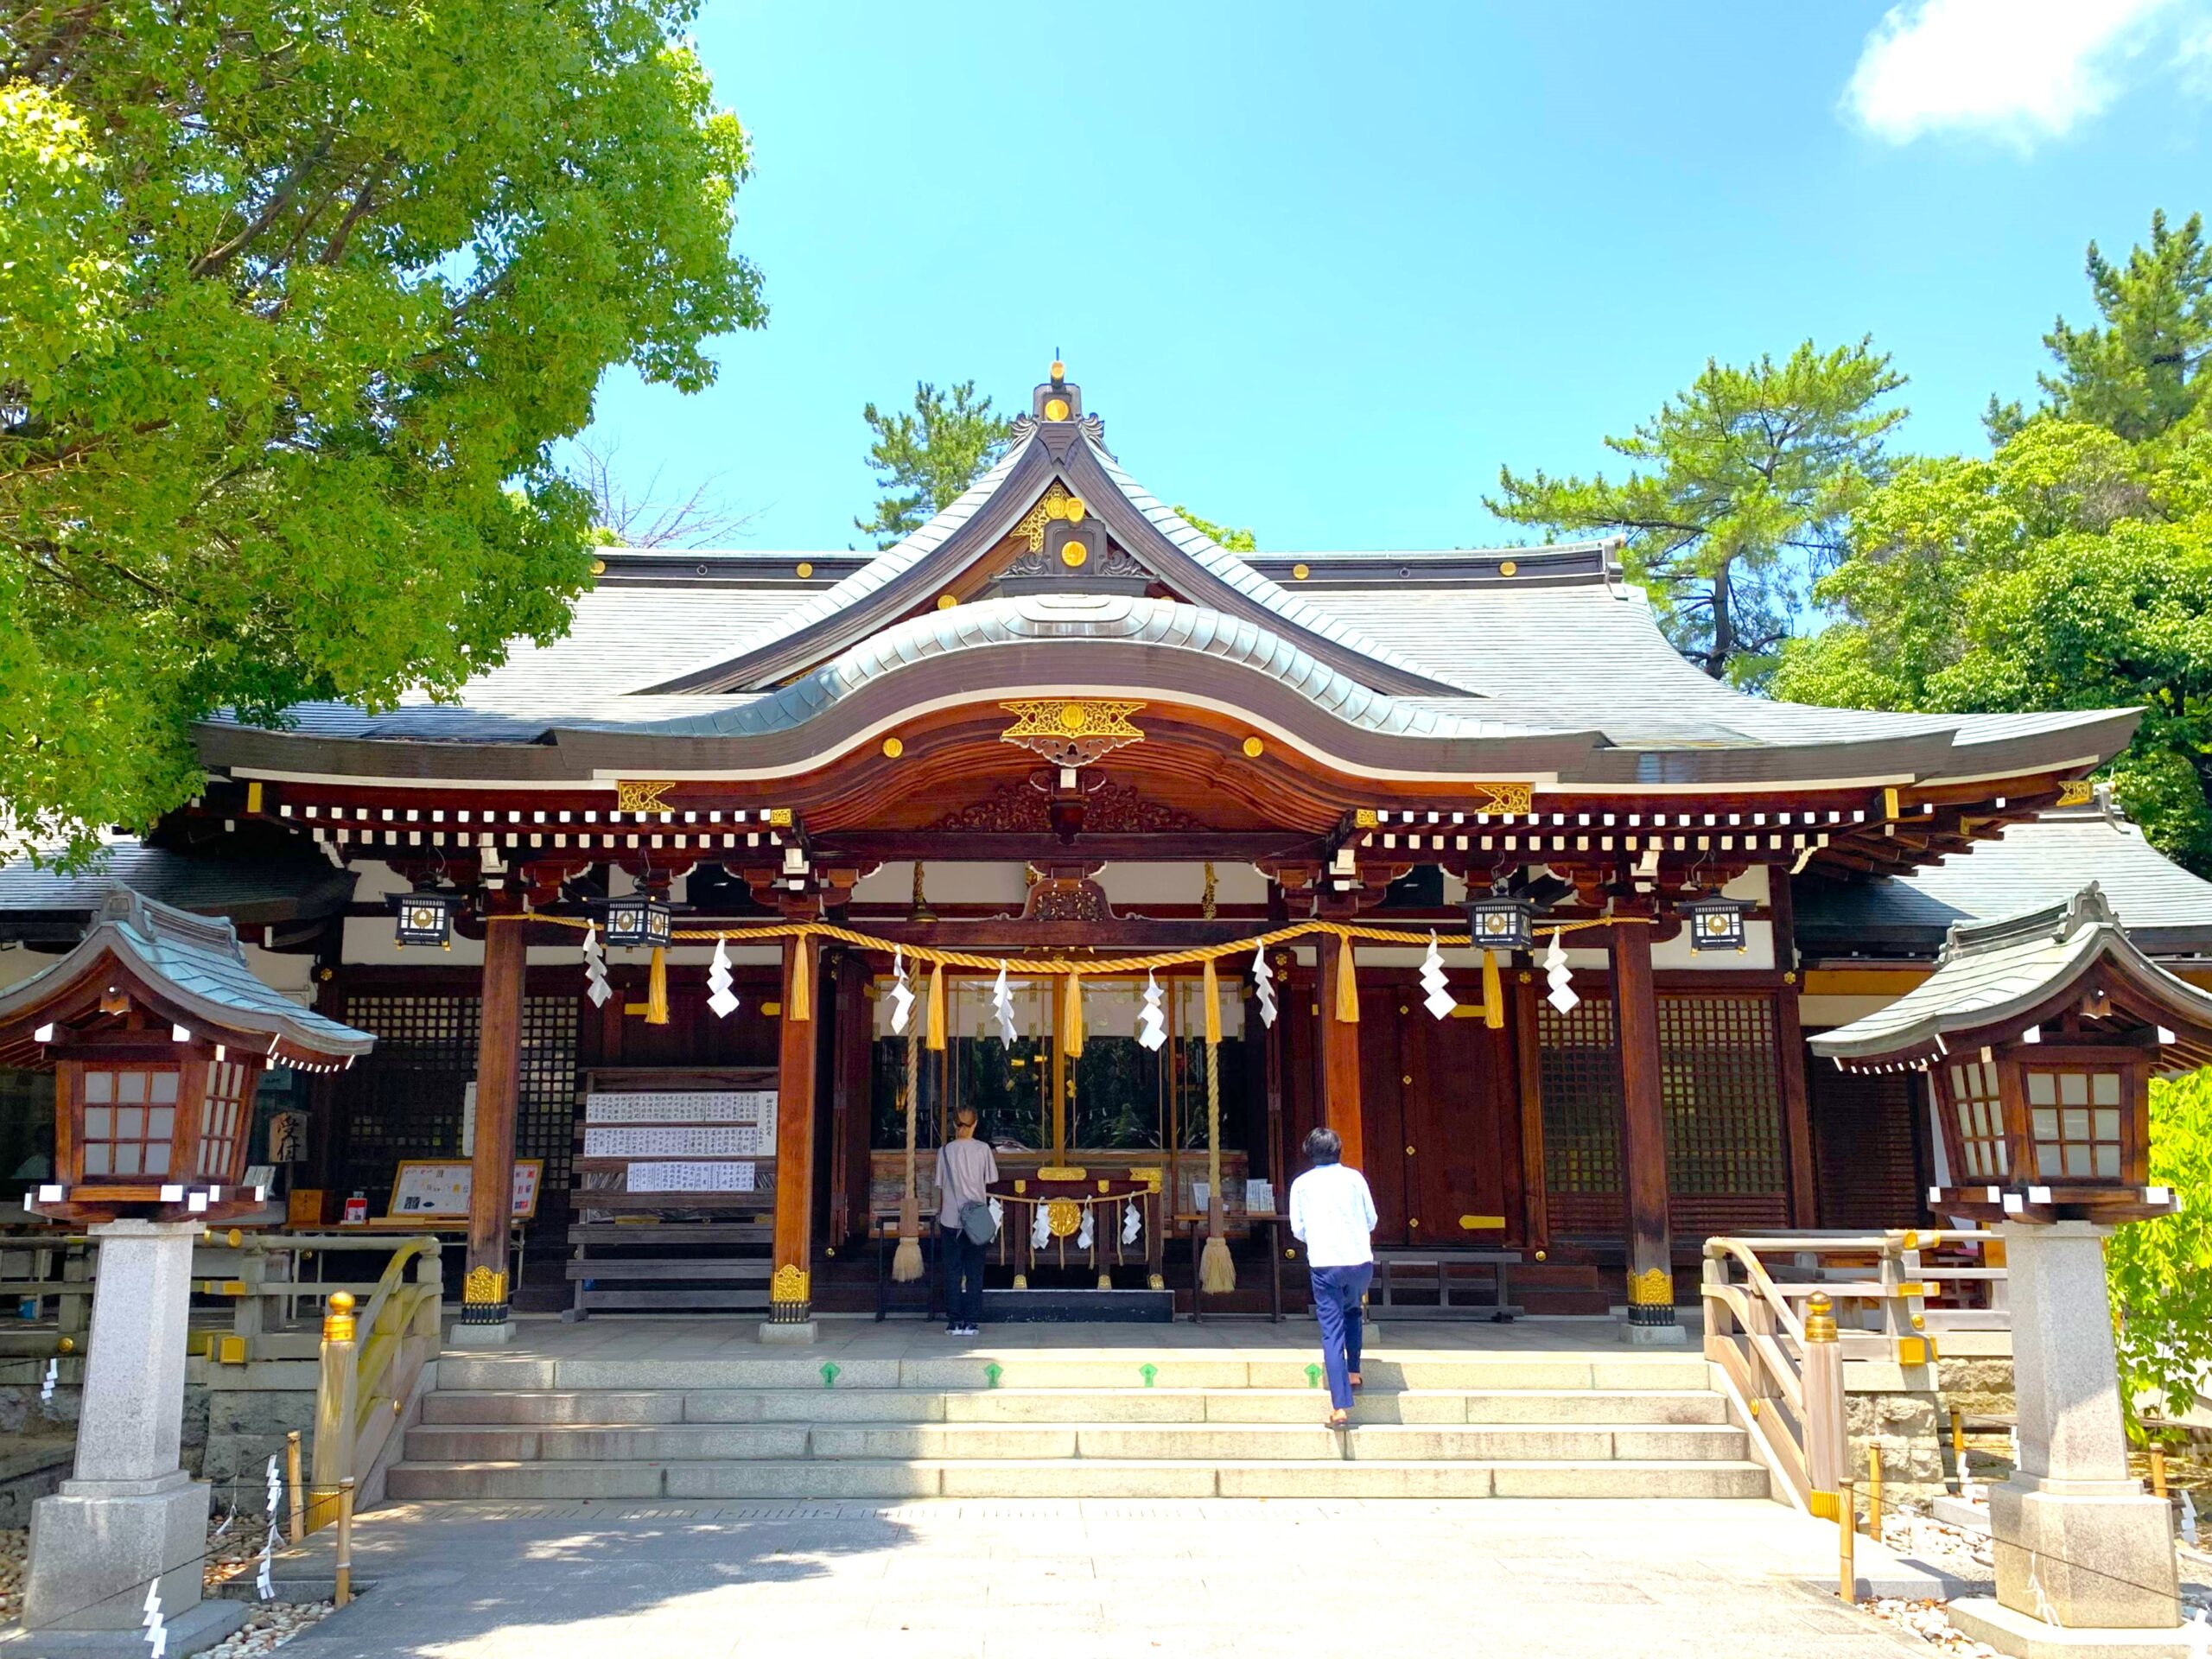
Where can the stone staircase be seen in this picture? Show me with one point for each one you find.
(1056, 1425)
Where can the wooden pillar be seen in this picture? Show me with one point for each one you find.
(492, 1164)
(791, 1292)
(1643, 1139)
(1789, 1055)
(1528, 1078)
(1339, 1058)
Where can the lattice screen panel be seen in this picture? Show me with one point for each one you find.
(1722, 1090)
(1581, 1082)
(404, 1099)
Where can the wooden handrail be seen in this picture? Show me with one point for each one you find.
(1788, 1376)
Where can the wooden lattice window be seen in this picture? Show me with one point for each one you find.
(1581, 1084)
(2074, 1118)
(1721, 1084)
(1980, 1121)
(546, 1101)
(129, 1119)
(223, 1117)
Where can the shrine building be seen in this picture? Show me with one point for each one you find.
(1158, 855)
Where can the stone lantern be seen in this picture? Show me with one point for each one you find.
(2039, 1035)
(158, 1032)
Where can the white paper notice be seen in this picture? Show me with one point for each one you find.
(690, 1178)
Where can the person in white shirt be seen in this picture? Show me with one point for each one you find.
(1332, 1211)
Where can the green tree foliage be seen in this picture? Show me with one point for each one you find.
(1237, 541)
(926, 460)
(2160, 1271)
(2141, 374)
(2070, 569)
(294, 300)
(1739, 492)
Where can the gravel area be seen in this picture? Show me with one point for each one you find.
(234, 1551)
(1969, 1555)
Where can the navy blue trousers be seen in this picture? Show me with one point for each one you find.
(1336, 1292)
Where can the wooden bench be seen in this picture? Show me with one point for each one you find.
(669, 1266)
(1414, 1269)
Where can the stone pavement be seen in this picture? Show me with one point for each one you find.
(1084, 1579)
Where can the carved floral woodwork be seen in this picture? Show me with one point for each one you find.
(1111, 809)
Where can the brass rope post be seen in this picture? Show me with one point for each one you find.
(292, 1485)
(1874, 1491)
(345, 1553)
(1846, 1533)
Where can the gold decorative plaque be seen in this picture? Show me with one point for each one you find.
(1503, 797)
(1070, 731)
(483, 1287)
(792, 1284)
(1056, 503)
(1064, 1217)
(2077, 792)
(1653, 1287)
(642, 795)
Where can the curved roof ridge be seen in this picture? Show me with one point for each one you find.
(1238, 573)
(888, 564)
(1169, 623)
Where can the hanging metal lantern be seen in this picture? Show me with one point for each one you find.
(1714, 923)
(425, 917)
(1501, 921)
(640, 919)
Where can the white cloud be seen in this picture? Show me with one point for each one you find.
(2018, 70)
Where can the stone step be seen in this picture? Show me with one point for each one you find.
(1170, 1442)
(490, 1409)
(1134, 1367)
(1058, 1478)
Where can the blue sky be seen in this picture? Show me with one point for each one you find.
(1322, 268)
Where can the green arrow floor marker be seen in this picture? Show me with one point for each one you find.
(1313, 1377)
(829, 1373)
(1147, 1371)
(992, 1372)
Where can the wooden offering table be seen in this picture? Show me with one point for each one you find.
(1068, 1205)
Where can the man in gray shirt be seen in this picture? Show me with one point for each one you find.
(965, 1169)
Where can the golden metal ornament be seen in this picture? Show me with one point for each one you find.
(642, 795)
(1070, 731)
(779, 818)
(1503, 797)
(792, 1284)
(483, 1287)
(1653, 1287)
(2077, 792)
(1063, 1172)
(1072, 554)
(1154, 1179)
(1056, 409)
(1064, 1217)
(1055, 502)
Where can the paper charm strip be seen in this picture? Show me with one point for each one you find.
(1152, 1025)
(46, 1384)
(724, 1000)
(1003, 1008)
(1085, 1233)
(596, 985)
(1040, 1227)
(902, 994)
(1132, 1222)
(264, 1585)
(157, 1634)
(1263, 985)
(1562, 995)
(1438, 1001)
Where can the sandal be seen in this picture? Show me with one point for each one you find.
(1354, 1379)
(1340, 1419)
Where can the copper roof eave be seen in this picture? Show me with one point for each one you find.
(1033, 470)
(2059, 951)
(227, 1003)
